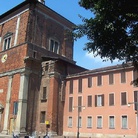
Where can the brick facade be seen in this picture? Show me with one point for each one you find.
(39, 79)
(106, 107)
(26, 32)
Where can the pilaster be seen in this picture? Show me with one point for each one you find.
(22, 104)
(7, 107)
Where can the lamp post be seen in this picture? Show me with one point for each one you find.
(78, 118)
(136, 103)
(137, 114)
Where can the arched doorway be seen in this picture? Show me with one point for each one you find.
(1, 112)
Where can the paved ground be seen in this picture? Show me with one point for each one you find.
(10, 136)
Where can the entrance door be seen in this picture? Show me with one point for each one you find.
(12, 125)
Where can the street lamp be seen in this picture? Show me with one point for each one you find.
(78, 118)
(137, 114)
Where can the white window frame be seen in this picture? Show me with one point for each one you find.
(101, 124)
(99, 100)
(89, 124)
(70, 121)
(80, 122)
(8, 43)
(54, 46)
(110, 125)
(122, 125)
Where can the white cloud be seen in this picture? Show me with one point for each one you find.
(98, 60)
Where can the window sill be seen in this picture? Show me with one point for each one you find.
(124, 128)
(43, 100)
(89, 127)
(99, 127)
(111, 128)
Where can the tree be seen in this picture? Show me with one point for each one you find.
(113, 30)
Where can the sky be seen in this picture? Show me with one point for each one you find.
(71, 10)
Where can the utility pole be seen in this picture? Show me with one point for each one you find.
(78, 126)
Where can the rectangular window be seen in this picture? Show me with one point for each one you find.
(89, 82)
(54, 46)
(79, 103)
(135, 77)
(71, 87)
(70, 122)
(111, 122)
(99, 100)
(80, 122)
(47, 66)
(42, 116)
(89, 122)
(89, 99)
(70, 104)
(15, 108)
(7, 43)
(111, 99)
(80, 85)
(124, 122)
(123, 77)
(111, 78)
(44, 96)
(123, 98)
(99, 80)
(99, 122)
(135, 98)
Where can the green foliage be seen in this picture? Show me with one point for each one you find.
(113, 31)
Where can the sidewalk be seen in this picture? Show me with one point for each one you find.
(5, 136)
(10, 136)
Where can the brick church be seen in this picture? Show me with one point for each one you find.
(36, 56)
(40, 83)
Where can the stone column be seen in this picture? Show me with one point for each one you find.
(22, 104)
(7, 107)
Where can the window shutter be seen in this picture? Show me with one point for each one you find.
(89, 82)
(79, 103)
(135, 98)
(123, 77)
(111, 78)
(71, 87)
(70, 103)
(99, 80)
(89, 101)
(102, 99)
(95, 100)
(80, 85)
(111, 99)
(123, 98)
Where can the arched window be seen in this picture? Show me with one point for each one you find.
(7, 40)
